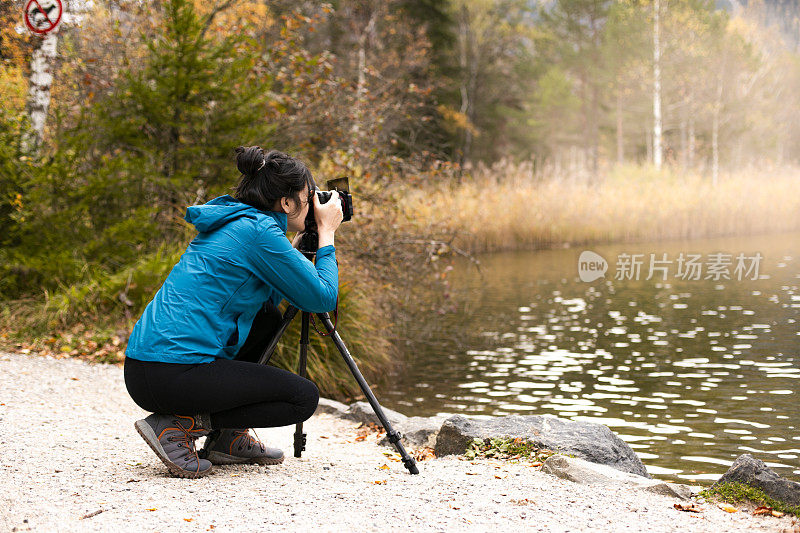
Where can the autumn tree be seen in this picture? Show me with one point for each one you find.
(574, 40)
(123, 168)
(493, 50)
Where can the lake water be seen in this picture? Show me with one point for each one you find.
(690, 372)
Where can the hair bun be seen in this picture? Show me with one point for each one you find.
(275, 160)
(249, 159)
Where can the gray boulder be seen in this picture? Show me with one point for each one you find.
(584, 472)
(331, 407)
(594, 442)
(748, 470)
(362, 412)
(415, 431)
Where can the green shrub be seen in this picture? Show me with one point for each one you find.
(739, 492)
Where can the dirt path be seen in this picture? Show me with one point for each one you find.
(70, 460)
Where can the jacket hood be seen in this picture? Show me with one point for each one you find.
(220, 211)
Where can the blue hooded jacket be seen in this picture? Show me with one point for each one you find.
(240, 260)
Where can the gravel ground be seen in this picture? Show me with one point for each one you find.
(70, 460)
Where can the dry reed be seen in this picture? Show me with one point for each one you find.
(507, 207)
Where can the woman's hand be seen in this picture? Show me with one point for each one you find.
(328, 216)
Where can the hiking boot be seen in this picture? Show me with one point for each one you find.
(236, 446)
(172, 438)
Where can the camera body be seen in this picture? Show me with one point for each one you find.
(340, 185)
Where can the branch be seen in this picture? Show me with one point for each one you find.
(433, 242)
(214, 13)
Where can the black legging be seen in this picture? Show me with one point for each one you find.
(238, 393)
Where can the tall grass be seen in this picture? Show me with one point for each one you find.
(359, 324)
(507, 207)
(93, 318)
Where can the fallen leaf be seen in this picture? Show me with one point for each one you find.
(472, 473)
(380, 482)
(89, 515)
(690, 507)
(188, 519)
(499, 477)
(424, 454)
(361, 437)
(153, 509)
(762, 510)
(728, 508)
(323, 437)
(384, 467)
(539, 463)
(777, 514)
(390, 454)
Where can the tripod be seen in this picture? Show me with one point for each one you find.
(288, 316)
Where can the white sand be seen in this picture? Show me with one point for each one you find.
(68, 449)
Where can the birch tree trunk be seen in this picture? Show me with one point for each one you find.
(594, 147)
(657, 149)
(361, 87)
(684, 141)
(468, 62)
(41, 80)
(715, 133)
(620, 145)
(690, 133)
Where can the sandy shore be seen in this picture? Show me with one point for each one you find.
(70, 460)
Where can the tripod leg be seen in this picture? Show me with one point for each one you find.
(394, 436)
(299, 436)
(288, 316)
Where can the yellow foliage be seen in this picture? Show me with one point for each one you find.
(236, 15)
(13, 89)
(457, 119)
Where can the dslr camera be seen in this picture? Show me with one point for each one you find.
(340, 185)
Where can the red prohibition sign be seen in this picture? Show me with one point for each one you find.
(42, 16)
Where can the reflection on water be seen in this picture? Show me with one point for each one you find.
(690, 373)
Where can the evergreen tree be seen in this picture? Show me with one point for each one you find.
(182, 114)
(161, 138)
(574, 30)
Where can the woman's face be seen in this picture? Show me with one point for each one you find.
(296, 218)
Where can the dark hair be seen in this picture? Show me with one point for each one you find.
(268, 177)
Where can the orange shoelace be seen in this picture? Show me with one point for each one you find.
(250, 442)
(187, 439)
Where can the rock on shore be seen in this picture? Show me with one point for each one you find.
(750, 471)
(593, 442)
(417, 431)
(584, 472)
(452, 435)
